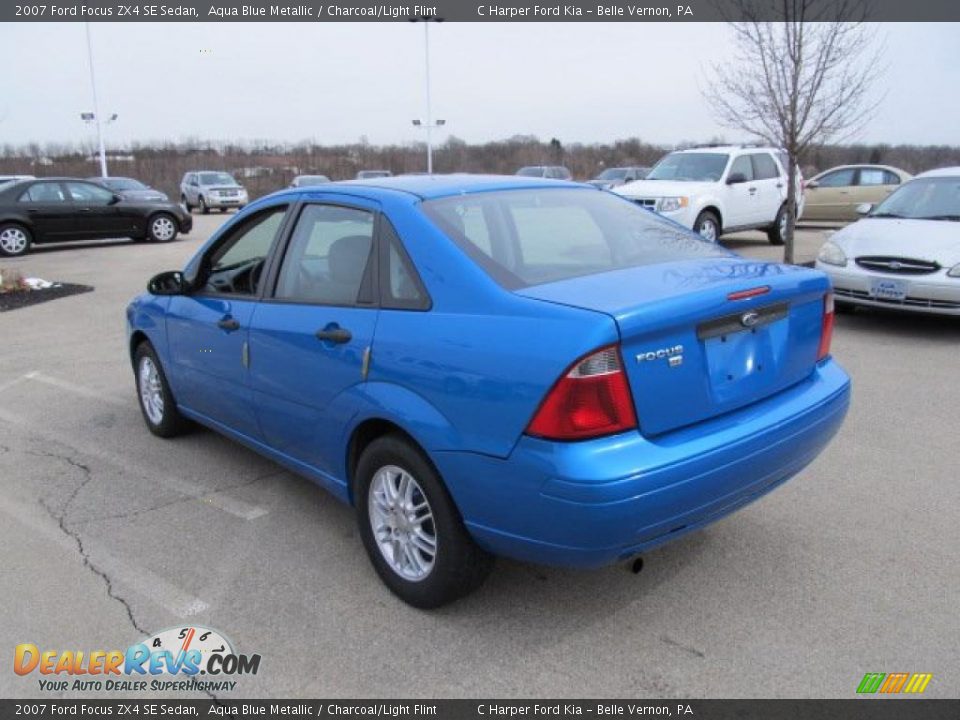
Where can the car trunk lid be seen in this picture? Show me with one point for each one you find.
(705, 337)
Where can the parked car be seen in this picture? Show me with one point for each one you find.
(905, 253)
(835, 194)
(556, 172)
(62, 209)
(4, 179)
(371, 174)
(208, 189)
(493, 366)
(614, 177)
(304, 180)
(130, 189)
(719, 189)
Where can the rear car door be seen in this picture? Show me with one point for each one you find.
(48, 206)
(97, 214)
(208, 329)
(311, 337)
(771, 187)
(873, 186)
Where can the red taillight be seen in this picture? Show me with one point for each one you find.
(592, 399)
(826, 333)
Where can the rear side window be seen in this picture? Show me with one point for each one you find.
(877, 176)
(327, 259)
(531, 237)
(44, 192)
(764, 168)
(400, 285)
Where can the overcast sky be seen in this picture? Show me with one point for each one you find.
(336, 82)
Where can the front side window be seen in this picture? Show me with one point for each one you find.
(690, 167)
(89, 194)
(326, 261)
(537, 236)
(236, 265)
(48, 192)
(742, 166)
(840, 178)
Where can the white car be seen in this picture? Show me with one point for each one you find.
(905, 253)
(719, 189)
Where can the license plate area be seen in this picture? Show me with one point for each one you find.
(888, 289)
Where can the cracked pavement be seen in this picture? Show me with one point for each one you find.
(110, 534)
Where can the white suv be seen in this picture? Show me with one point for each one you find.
(719, 189)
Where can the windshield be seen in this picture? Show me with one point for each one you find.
(123, 184)
(528, 237)
(936, 198)
(612, 174)
(530, 172)
(690, 167)
(217, 178)
(312, 179)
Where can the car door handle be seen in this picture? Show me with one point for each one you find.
(336, 335)
(752, 190)
(228, 323)
(780, 185)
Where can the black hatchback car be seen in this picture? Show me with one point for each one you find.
(51, 210)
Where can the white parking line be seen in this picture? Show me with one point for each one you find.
(210, 496)
(40, 377)
(143, 582)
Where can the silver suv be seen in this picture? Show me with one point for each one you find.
(206, 189)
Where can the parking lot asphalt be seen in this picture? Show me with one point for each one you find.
(110, 534)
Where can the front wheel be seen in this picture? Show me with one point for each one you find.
(185, 203)
(777, 233)
(162, 228)
(15, 240)
(156, 401)
(411, 529)
(707, 226)
(203, 206)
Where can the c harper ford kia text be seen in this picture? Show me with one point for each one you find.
(492, 366)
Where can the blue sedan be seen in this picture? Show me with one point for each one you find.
(492, 366)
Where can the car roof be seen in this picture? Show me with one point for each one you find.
(429, 187)
(854, 166)
(941, 172)
(730, 148)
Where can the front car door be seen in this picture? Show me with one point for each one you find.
(97, 214)
(208, 329)
(740, 201)
(48, 206)
(311, 337)
(829, 197)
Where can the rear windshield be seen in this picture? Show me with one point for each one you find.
(529, 237)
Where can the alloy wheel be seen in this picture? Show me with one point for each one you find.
(402, 523)
(13, 241)
(162, 228)
(151, 390)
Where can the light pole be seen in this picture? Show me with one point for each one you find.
(96, 108)
(429, 124)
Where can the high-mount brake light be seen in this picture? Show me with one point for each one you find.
(591, 400)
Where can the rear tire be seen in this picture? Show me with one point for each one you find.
(707, 226)
(15, 240)
(156, 401)
(404, 510)
(777, 233)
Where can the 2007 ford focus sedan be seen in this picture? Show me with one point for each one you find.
(492, 366)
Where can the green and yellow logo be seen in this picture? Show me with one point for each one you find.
(893, 683)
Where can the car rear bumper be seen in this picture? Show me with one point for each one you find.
(934, 293)
(593, 503)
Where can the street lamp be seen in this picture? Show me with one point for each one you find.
(95, 115)
(429, 123)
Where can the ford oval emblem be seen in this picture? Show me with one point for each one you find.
(750, 319)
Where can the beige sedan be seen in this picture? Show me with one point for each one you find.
(835, 194)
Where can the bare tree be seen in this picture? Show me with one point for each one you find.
(801, 77)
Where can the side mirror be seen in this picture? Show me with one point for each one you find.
(736, 179)
(864, 208)
(812, 184)
(115, 199)
(170, 282)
